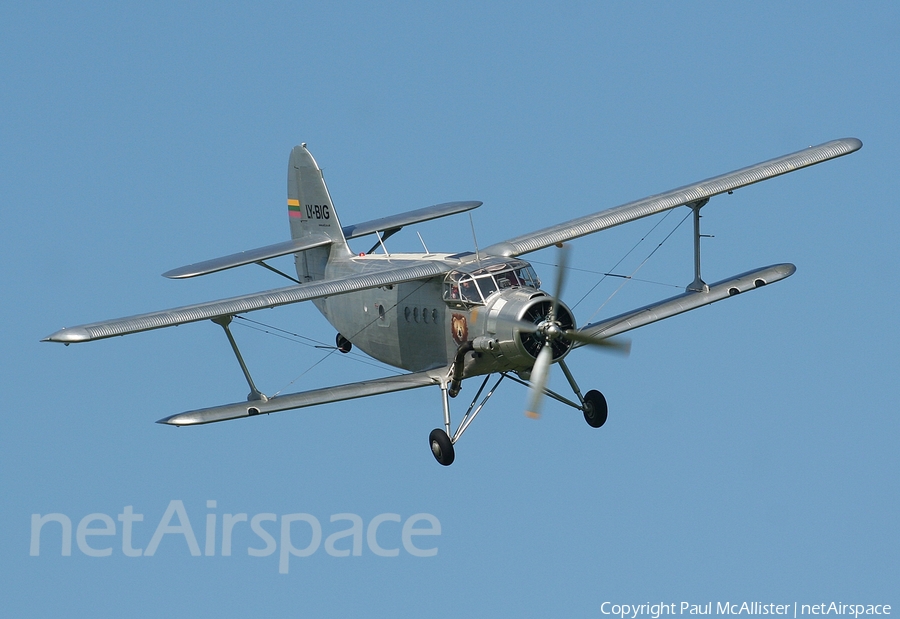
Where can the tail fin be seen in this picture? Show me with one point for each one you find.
(311, 211)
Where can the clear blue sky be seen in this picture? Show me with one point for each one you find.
(752, 448)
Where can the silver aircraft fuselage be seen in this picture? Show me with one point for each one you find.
(421, 325)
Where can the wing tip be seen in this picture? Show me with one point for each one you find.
(69, 335)
(180, 419)
(180, 273)
(851, 145)
(854, 143)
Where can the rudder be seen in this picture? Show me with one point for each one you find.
(311, 211)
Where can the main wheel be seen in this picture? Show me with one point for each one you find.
(441, 447)
(595, 409)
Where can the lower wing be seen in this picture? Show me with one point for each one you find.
(306, 398)
(751, 280)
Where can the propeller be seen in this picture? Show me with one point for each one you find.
(539, 375)
(550, 329)
(621, 346)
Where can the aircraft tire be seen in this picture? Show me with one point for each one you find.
(595, 409)
(441, 447)
(342, 343)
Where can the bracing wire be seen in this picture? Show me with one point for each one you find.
(622, 259)
(304, 372)
(290, 336)
(618, 275)
(295, 337)
(638, 268)
(282, 333)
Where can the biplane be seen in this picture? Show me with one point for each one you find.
(444, 318)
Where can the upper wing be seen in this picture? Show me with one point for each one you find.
(671, 199)
(247, 303)
(307, 398)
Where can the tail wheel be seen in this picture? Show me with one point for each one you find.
(441, 447)
(595, 408)
(342, 343)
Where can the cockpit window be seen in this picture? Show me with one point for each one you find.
(486, 284)
(460, 287)
(508, 279)
(468, 291)
(473, 287)
(528, 277)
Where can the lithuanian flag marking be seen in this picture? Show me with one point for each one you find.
(294, 208)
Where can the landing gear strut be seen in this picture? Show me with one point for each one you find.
(592, 405)
(440, 439)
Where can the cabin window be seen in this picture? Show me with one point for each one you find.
(384, 318)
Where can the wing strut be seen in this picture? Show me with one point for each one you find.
(274, 270)
(698, 285)
(255, 394)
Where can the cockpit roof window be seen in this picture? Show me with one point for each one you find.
(490, 265)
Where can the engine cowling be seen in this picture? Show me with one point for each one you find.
(516, 347)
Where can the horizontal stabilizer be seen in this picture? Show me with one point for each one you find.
(697, 192)
(744, 282)
(247, 303)
(395, 222)
(247, 257)
(304, 399)
(392, 223)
